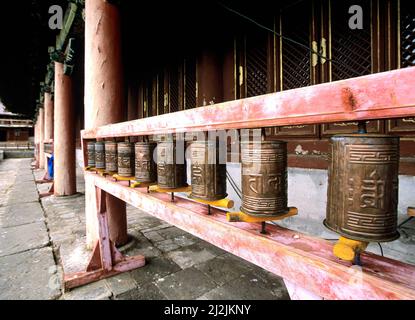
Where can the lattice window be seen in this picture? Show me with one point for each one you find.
(351, 48)
(256, 55)
(295, 58)
(190, 84)
(407, 35)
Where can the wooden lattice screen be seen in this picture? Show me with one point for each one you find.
(407, 35)
(351, 48)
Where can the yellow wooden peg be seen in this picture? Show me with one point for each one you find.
(243, 217)
(222, 203)
(161, 190)
(346, 249)
(119, 178)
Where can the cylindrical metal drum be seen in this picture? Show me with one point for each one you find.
(99, 155)
(264, 178)
(363, 187)
(111, 159)
(125, 159)
(170, 173)
(90, 148)
(145, 165)
(208, 174)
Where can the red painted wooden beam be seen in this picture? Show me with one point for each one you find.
(382, 95)
(301, 259)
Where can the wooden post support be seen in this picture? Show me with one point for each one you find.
(106, 260)
(41, 139)
(104, 96)
(64, 135)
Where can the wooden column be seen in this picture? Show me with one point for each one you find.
(64, 135)
(103, 100)
(48, 116)
(132, 101)
(41, 138)
(209, 78)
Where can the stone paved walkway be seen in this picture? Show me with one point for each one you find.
(35, 234)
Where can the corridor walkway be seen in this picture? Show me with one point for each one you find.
(41, 238)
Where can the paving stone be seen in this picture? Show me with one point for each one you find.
(153, 236)
(22, 238)
(194, 254)
(20, 214)
(121, 283)
(22, 195)
(223, 269)
(185, 285)
(94, 291)
(248, 287)
(154, 269)
(29, 275)
(147, 291)
(167, 245)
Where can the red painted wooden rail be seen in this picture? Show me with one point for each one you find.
(382, 95)
(301, 259)
(304, 260)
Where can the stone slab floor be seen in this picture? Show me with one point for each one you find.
(41, 238)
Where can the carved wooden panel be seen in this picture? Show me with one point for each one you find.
(330, 129)
(402, 126)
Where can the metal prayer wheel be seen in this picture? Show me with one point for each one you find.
(125, 152)
(170, 173)
(99, 155)
(90, 149)
(363, 187)
(264, 178)
(145, 166)
(208, 175)
(111, 159)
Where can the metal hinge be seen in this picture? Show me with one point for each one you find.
(241, 76)
(314, 55)
(323, 51)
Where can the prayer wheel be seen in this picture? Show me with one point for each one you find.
(125, 152)
(90, 148)
(99, 155)
(208, 175)
(170, 173)
(145, 166)
(264, 178)
(111, 164)
(363, 187)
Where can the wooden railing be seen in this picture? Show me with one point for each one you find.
(300, 259)
(17, 145)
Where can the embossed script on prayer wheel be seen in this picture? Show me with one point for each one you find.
(125, 159)
(145, 166)
(111, 156)
(99, 155)
(264, 178)
(90, 146)
(208, 175)
(170, 173)
(363, 187)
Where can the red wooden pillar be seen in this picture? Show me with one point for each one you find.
(36, 139)
(41, 138)
(64, 135)
(48, 117)
(103, 100)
